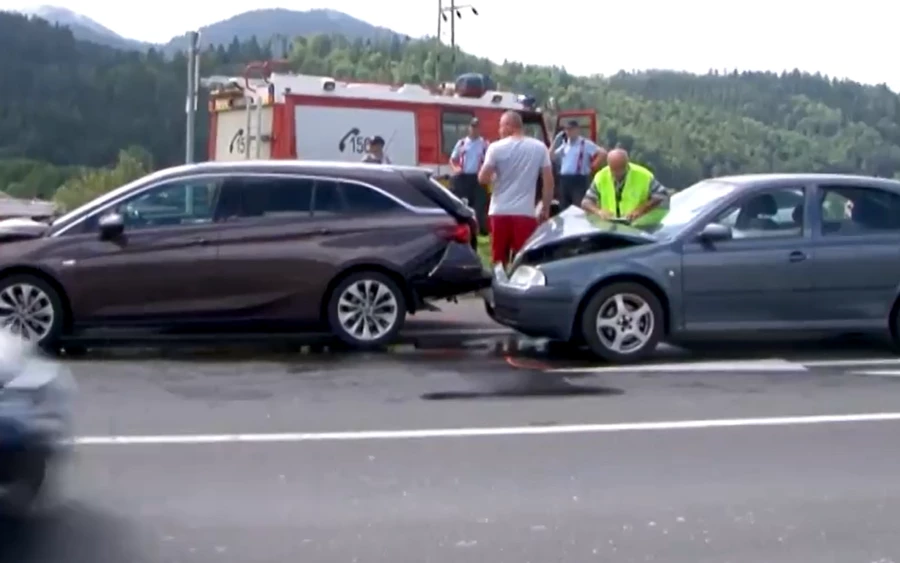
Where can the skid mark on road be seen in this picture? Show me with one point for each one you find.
(295, 437)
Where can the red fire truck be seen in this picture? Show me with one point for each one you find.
(286, 116)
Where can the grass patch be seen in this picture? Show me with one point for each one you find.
(484, 250)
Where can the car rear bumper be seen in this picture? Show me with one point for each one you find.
(459, 271)
(537, 311)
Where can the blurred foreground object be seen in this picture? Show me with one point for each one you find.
(35, 424)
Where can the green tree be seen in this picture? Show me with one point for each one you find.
(70, 104)
(132, 164)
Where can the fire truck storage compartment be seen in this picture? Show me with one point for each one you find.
(231, 135)
(344, 133)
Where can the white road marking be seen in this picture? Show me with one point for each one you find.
(851, 362)
(294, 437)
(773, 364)
(879, 373)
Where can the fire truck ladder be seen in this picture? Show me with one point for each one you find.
(255, 102)
(253, 105)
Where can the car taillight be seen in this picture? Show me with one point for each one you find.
(457, 233)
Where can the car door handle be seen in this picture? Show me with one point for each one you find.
(797, 256)
(200, 242)
(323, 231)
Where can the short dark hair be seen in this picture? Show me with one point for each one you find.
(377, 140)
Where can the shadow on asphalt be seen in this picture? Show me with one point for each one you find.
(534, 353)
(558, 355)
(75, 533)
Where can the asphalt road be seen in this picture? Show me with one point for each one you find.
(193, 457)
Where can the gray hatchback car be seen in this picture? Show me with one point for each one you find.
(734, 255)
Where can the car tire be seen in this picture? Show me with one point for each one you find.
(628, 335)
(387, 315)
(44, 329)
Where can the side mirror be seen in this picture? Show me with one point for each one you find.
(715, 232)
(111, 225)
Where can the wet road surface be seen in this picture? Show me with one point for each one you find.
(192, 457)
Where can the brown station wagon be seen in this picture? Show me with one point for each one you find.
(348, 248)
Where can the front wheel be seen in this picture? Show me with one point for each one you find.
(623, 323)
(367, 310)
(31, 309)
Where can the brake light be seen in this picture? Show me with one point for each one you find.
(456, 233)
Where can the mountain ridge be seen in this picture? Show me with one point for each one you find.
(264, 24)
(83, 27)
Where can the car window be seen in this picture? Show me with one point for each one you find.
(454, 126)
(333, 197)
(328, 199)
(363, 200)
(771, 213)
(848, 211)
(182, 202)
(266, 197)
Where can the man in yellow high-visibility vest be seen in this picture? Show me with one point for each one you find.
(624, 190)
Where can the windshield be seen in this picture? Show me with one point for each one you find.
(97, 202)
(690, 202)
(536, 131)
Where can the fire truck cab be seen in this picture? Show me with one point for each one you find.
(296, 116)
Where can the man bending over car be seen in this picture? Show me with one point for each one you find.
(624, 190)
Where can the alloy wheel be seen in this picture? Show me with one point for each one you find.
(367, 310)
(27, 311)
(625, 323)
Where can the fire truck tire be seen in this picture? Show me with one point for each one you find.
(366, 310)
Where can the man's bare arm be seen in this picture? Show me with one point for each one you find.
(659, 195)
(489, 166)
(548, 186)
(486, 174)
(591, 202)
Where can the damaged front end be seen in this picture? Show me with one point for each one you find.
(570, 248)
(14, 230)
(574, 233)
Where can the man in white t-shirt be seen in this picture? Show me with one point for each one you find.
(513, 165)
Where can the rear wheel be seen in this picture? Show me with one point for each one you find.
(623, 322)
(367, 310)
(31, 309)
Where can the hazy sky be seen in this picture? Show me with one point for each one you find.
(856, 40)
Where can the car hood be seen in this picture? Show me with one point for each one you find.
(573, 232)
(21, 229)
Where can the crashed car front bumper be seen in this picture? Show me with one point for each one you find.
(539, 311)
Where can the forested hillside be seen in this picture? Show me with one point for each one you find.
(72, 103)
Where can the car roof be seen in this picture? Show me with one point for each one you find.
(358, 170)
(797, 179)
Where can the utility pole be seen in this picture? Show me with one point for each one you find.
(453, 31)
(440, 19)
(190, 104)
(454, 12)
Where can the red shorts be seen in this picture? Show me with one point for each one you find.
(508, 235)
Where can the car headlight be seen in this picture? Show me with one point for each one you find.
(527, 276)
